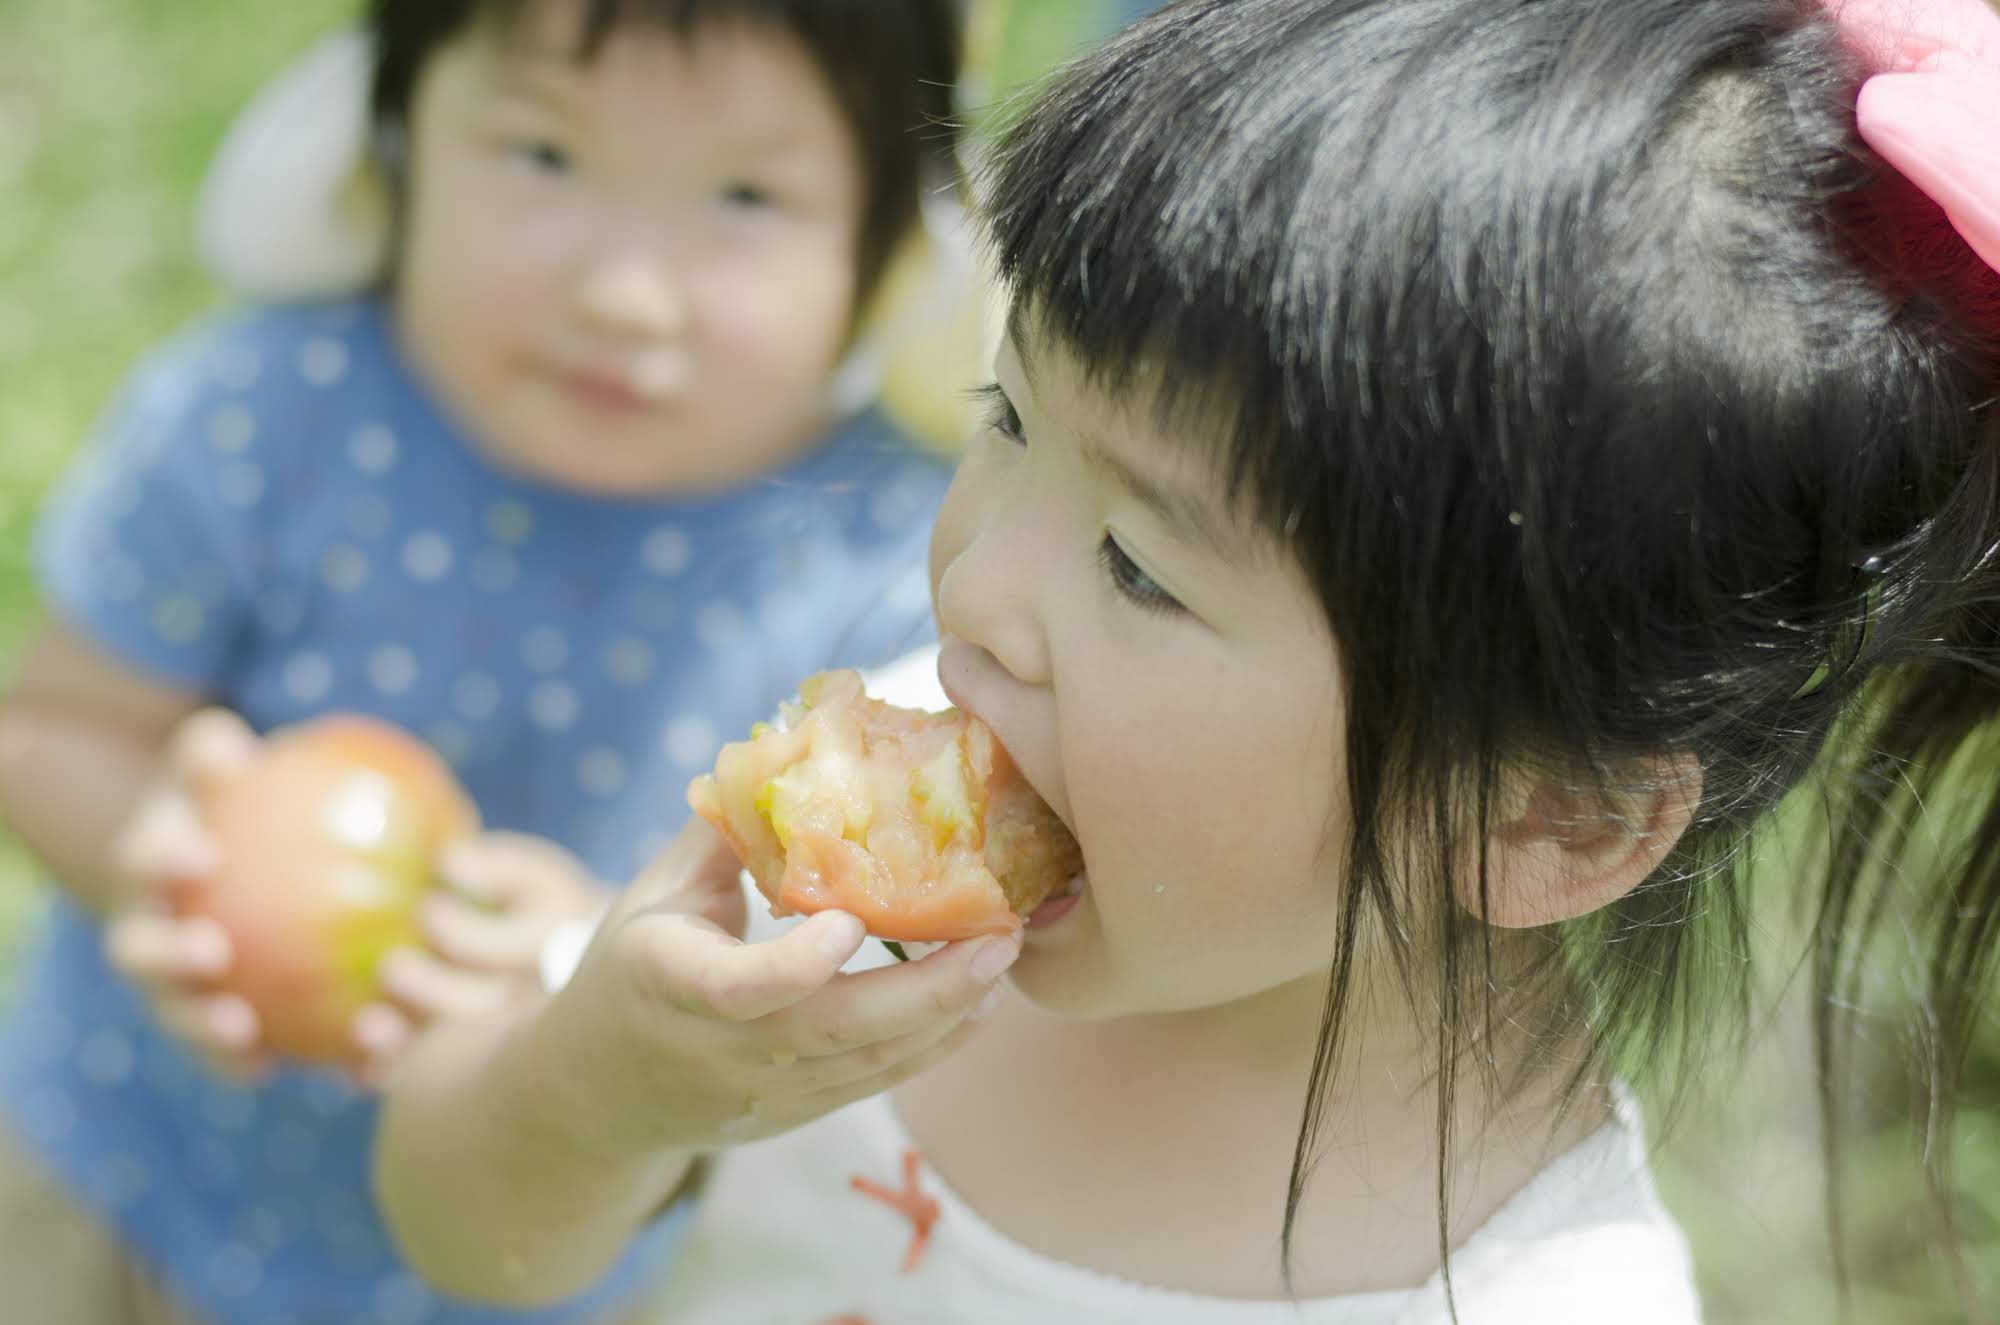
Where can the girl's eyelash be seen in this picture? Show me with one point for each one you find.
(999, 413)
(1133, 583)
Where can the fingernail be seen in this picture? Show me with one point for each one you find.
(993, 959)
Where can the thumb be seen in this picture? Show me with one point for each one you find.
(697, 875)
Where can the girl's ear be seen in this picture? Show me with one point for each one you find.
(1558, 850)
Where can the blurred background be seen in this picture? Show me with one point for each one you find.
(109, 110)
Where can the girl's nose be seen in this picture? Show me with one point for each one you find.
(633, 294)
(987, 577)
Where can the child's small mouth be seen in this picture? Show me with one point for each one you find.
(1058, 904)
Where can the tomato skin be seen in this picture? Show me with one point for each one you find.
(916, 823)
(326, 845)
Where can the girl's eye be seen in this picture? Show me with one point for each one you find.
(541, 155)
(1000, 414)
(745, 195)
(1132, 582)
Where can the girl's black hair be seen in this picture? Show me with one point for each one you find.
(892, 64)
(1618, 401)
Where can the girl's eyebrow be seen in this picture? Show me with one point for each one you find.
(1180, 507)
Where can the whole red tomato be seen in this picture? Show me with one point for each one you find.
(327, 842)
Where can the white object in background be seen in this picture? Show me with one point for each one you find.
(293, 206)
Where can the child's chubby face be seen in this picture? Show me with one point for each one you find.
(1164, 675)
(631, 272)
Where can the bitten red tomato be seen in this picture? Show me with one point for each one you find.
(326, 842)
(917, 823)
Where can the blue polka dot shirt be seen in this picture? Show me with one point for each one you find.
(277, 515)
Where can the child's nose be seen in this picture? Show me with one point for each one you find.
(986, 592)
(632, 294)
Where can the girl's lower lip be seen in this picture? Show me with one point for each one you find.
(1053, 910)
(605, 393)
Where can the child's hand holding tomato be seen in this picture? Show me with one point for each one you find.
(675, 1035)
(180, 960)
(286, 898)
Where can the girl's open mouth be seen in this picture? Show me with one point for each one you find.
(1058, 904)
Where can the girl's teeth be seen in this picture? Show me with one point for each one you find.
(1076, 882)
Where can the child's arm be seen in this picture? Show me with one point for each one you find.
(95, 759)
(80, 743)
(519, 1153)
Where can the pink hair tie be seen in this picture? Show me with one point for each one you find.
(1933, 110)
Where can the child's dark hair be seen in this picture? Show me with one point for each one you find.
(1618, 401)
(892, 64)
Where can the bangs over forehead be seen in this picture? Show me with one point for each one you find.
(1143, 213)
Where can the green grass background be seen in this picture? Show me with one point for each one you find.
(108, 110)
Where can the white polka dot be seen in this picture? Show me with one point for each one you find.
(48, 1115)
(476, 695)
(367, 516)
(392, 669)
(229, 1109)
(323, 361)
(667, 551)
(241, 484)
(783, 612)
(427, 556)
(179, 618)
(308, 676)
(601, 772)
(628, 660)
(234, 1270)
(123, 579)
(402, 1299)
(554, 706)
(280, 611)
(718, 625)
(237, 367)
(293, 1150)
(510, 522)
(106, 1058)
(118, 1180)
(344, 568)
(494, 569)
(231, 429)
(373, 450)
(544, 649)
(691, 740)
(451, 741)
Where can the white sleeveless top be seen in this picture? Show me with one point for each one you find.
(781, 1236)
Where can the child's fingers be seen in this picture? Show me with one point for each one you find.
(890, 1002)
(209, 745)
(158, 949)
(815, 1075)
(696, 874)
(165, 843)
(432, 990)
(468, 935)
(786, 1114)
(380, 1033)
(221, 1027)
(704, 971)
(505, 869)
